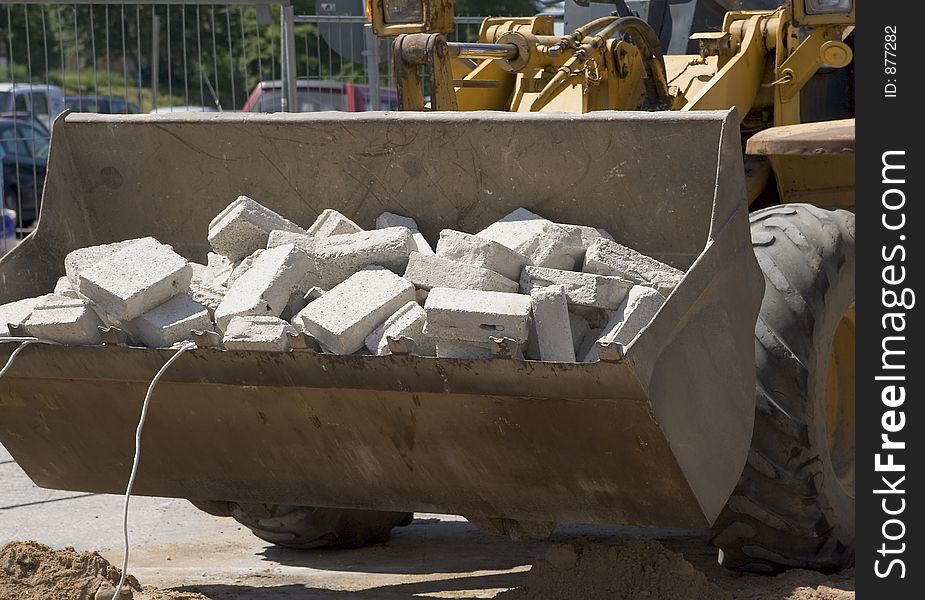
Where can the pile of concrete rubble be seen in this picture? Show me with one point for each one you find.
(524, 285)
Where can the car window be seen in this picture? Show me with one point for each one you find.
(21, 104)
(12, 142)
(24, 140)
(6, 99)
(35, 140)
(40, 103)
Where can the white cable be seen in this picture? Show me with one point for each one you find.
(15, 353)
(137, 458)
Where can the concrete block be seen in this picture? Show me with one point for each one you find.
(240, 267)
(244, 226)
(606, 257)
(552, 325)
(428, 272)
(265, 288)
(16, 313)
(136, 279)
(83, 258)
(543, 242)
(408, 322)
(342, 318)
(330, 222)
(388, 219)
(637, 311)
(64, 288)
(64, 320)
(421, 244)
(476, 316)
(583, 289)
(203, 290)
(579, 326)
(464, 350)
(338, 257)
(480, 252)
(219, 269)
(264, 334)
(171, 322)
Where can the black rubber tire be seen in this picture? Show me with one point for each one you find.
(790, 509)
(310, 527)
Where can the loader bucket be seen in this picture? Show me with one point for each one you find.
(655, 436)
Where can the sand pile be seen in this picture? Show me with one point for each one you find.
(639, 569)
(29, 570)
(33, 571)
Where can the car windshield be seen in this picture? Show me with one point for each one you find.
(306, 101)
(22, 139)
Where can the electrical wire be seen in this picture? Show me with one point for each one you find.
(136, 459)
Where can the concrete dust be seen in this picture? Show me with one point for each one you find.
(635, 570)
(33, 571)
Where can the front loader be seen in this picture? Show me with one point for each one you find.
(310, 449)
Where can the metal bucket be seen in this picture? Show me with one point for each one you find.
(655, 437)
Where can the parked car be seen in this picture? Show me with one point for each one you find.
(43, 102)
(24, 155)
(319, 95)
(160, 110)
(108, 105)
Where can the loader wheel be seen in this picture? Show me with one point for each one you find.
(794, 504)
(310, 527)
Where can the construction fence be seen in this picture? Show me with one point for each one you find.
(139, 57)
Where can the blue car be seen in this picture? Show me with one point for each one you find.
(24, 154)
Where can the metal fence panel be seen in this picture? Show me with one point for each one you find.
(138, 56)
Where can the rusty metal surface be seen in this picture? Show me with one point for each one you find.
(658, 438)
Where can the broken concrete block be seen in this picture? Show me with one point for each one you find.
(388, 219)
(330, 222)
(16, 313)
(408, 322)
(476, 316)
(244, 226)
(637, 312)
(83, 258)
(171, 322)
(264, 289)
(480, 252)
(579, 326)
(203, 290)
(606, 257)
(428, 272)
(265, 334)
(64, 320)
(64, 288)
(464, 350)
(583, 289)
(240, 267)
(219, 269)
(421, 245)
(135, 279)
(543, 242)
(338, 257)
(551, 323)
(342, 318)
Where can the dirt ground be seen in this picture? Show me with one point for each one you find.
(179, 553)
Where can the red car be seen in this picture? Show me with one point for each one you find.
(319, 95)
